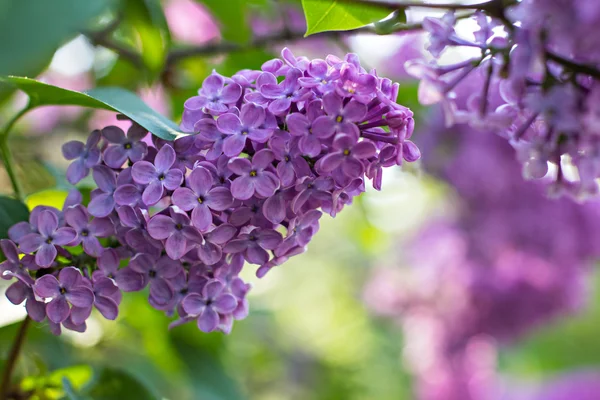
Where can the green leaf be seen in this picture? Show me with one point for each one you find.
(116, 384)
(33, 29)
(106, 98)
(11, 212)
(70, 392)
(147, 19)
(232, 17)
(337, 15)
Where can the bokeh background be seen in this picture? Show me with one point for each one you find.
(459, 280)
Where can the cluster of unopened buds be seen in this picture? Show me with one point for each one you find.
(266, 152)
(534, 82)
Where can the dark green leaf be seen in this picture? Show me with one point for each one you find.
(232, 17)
(116, 384)
(336, 15)
(11, 212)
(108, 98)
(33, 29)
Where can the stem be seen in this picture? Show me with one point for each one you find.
(485, 5)
(572, 65)
(12, 358)
(7, 156)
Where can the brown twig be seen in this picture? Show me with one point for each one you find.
(12, 359)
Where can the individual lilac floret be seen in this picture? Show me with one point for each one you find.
(246, 126)
(123, 147)
(88, 231)
(103, 201)
(68, 288)
(15, 266)
(85, 156)
(158, 176)
(44, 243)
(200, 196)
(177, 232)
(207, 306)
(253, 176)
(215, 96)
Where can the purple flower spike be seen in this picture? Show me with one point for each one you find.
(85, 156)
(208, 305)
(177, 232)
(68, 288)
(124, 147)
(201, 197)
(214, 96)
(246, 126)
(159, 176)
(253, 176)
(44, 243)
(88, 232)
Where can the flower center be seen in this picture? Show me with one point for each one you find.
(49, 240)
(152, 274)
(245, 132)
(161, 177)
(339, 118)
(63, 290)
(178, 227)
(85, 233)
(200, 199)
(127, 146)
(347, 152)
(253, 173)
(286, 158)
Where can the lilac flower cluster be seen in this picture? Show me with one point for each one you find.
(540, 56)
(267, 152)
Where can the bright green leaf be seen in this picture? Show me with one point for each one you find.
(146, 17)
(338, 15)
(33, 29)
(11, 212)
(116, 384)
(52, 198)
(108, 98)
(232, 17)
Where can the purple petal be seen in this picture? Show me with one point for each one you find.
(153, 193)
(364, 149)
(17, 292)
(298, 124)
(165, 158)
(130, 281)
(69, 277)
(209, 253)
(47, 286)
(219, 199)
(257, 255)
(101, 227)
(107, 307)
(64, 236)
(234, 145)
(231, 93)
(354, 111)
(80, 296)
(173, 179)
(323, 127)
(269, 239)
(201, 217)
(10, 250)
(92, 246)
(76, 171)
(229, 124)
(352, 167)
(80, 314)
(222, 234)
(127, 195)
(161, 291)
(45, 255)
(200, 181)
(176, 246)
(105, 178)
(143, 172)
(331, 161)
(332, 103)
(280, 106)
(274, 209)
(266, 184)
(243, 187)
(252, 115)
(193, 304)
(101, 205)
(262, 159)
(208, 320)
(58, 310)
(73, 149)
(77, 217)
(115, 156)
(47, 223)
(161, 227)
(185, 199)
(114, 134)
(240, 166)
(235, 246)
(225, 303)
(35, 309)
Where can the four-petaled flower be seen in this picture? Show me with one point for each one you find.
(85, 155)
(207, 306)
(158, 176)
(50, 235)
(123, 147)
(246, 126)
(253, 176)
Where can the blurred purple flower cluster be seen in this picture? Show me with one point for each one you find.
(509, 260)
(266, 152)
(540, 56)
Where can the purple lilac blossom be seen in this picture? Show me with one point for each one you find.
(248, 184)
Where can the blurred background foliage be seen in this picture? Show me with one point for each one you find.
(309, 335)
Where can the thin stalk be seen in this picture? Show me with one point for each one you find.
(12, 359)
(6, 154)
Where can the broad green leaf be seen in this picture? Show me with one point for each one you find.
(52, 198)
(147, 19)
(32, 30)
(116, 384)
(339, 15)
(11, 212)
(107, 98)
(232, 17)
